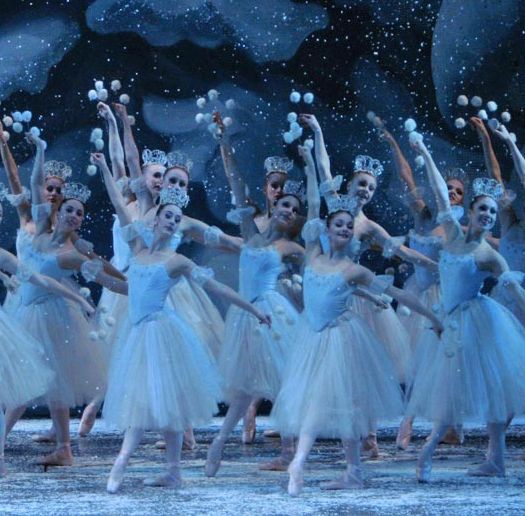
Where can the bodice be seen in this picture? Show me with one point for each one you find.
(460, 278)
(428, 246)
(148, 287)
(512, 248)
(121, 251)
(259, 269)
(325, 297)
(23, 243)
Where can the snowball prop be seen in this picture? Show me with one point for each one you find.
(460, 123)
(476, 101)
(462, 100)
(410, 125)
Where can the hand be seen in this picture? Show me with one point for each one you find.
(86, 306)
(437, 326)
(386, 136)
(502, 133)
(104, 111)
(477, 124)
(121, 111)
(84, 247)
(310, 121)
(221, 128)
(35, 140)
(380, 303)
(11, 283)
(263, 318)
(305, 153)
(419, 147)
(98, 159)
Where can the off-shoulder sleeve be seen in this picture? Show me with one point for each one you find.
(237, 215)
(19, 199)
(138, 185)
(313, 230)
(392, 245)
(331, 185)
(212, 235)
(511, 277)
(91, 268)
(380, 284)
(201, 275)
(40, 212)
(131, 231)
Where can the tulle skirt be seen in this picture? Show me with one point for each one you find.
(161, 377)
(63, 332)
(253, 356)
(389, 330)
(111, 319)
(338, 383)
(476, 371)
(501, 295)
(24, 371)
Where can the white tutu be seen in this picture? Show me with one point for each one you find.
(476, 371)
(253, 356)
(24, 372)
(161, 377)
(337, 383)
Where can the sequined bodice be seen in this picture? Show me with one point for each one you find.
(325, 297)
(148, 287)
(512, 248)
(460, 279)
(429, 246)
(259, 269)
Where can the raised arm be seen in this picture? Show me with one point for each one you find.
(491, 162)
(517, 156)
(130, 147)
(37, 174)
(116, 151)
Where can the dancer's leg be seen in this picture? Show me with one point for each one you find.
(3, 471)
(235, 411)
(404, 433)
(89, 416)
(494, 466)
(172, 477)
(282, 462)
(12, 416)
(296, 468)
(353, 476)
(370, 442)
(130, 443)
(62, 455)
(424, 461)
(249, 422)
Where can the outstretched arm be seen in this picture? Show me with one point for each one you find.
(116, 151)
(210, 236)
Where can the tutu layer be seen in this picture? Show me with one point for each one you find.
(24, 373)
(161, 377)
(476, 371)
(337, 383)
(79, 364)
(253, 357)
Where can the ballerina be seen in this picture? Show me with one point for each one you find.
(161, 377)
(338, 378)
(477, 370)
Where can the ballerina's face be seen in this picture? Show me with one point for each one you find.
(52, 191)
(363, 187)
(153, 176)
(168, 219)
(483, 213)
(340, 229)
(70, 215)
(274, 186)
(285, 212)
(456, 192)
(176, 178)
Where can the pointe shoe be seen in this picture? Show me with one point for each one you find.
(171, 480)
(188, 441)
(46, 437)
(160, 444)
(116, 475)
(89, 416)
(60, 457)
(351, 479)
(249, 426)
(295, 482)
(277, 464)
(370, 446)
(487, 469)
(214, 457)
(423, 468)
(404, 434)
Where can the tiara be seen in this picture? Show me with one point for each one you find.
(177, 159)
(277, 164)
(346, 203)
(456, 173)
(294, 188)
(368, 165)
(174, 196)
(57, 169)
(153, 157)
(76, 191)
(487, 187)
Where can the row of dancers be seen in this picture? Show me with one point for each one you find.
(332, 356)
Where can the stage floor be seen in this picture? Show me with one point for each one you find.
(240, 488)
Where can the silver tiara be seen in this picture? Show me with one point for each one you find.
(57, 169)
(368, 165)
(76, 191)
(489, 187)
(456, 173)
(294, 188)
(174, 196)
(346, 203)
(153, 157)
(277, 164)
(178, 159)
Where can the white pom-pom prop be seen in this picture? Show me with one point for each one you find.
(404, 310)
(102, 95)
(230, 104)
(208, 118)
(99, 85)
(199, 118)
(505, 117)
(96, 134)
(7, 121)
(295, 97)
(103, 309)
(102, 334)
(17, 116)
(309, 143)
(415, 137)
(462, 100)
(44, 144)
(124, 99)
(483, 114)
(308, 98)
(93, 336)
(92, 95)
(201, 102)
(84, 292)
(492, 106)
(91, 170)
(410, 125)
(212, 128)
(213, 94)
(115, 85)
(26, 116)
(18, 127)
(476, 101)
(227, 121)
(371, 115)
(420, 161)
(291, 117)
(6, 136)
(493, 123)
(35, 131)
(110, 321)
(513, 138)
(132, 120)
(460, 123)
(294, 127)
(99, 144)
(288, 137)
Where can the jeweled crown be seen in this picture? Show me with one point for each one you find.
(153, 157)
(177, 159)
(346, 203)
(277, 164)
(456, 173)
(294, 188)
(484, 186)
(174, 196)
(76, 191)
(57, 169)
(368, 165)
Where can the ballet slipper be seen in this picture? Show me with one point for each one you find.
(214, 457)
(295, 482)
(116, 475)
(424, 467)
(351, 479)
(404, 434)
(60, 457)
(487, 469)
(172, 480)
(160, 444)
(249, 425)
(46, 437)
(370, 446)
(89, 416)
(188, 442)
(272, 433)
(277, 464)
